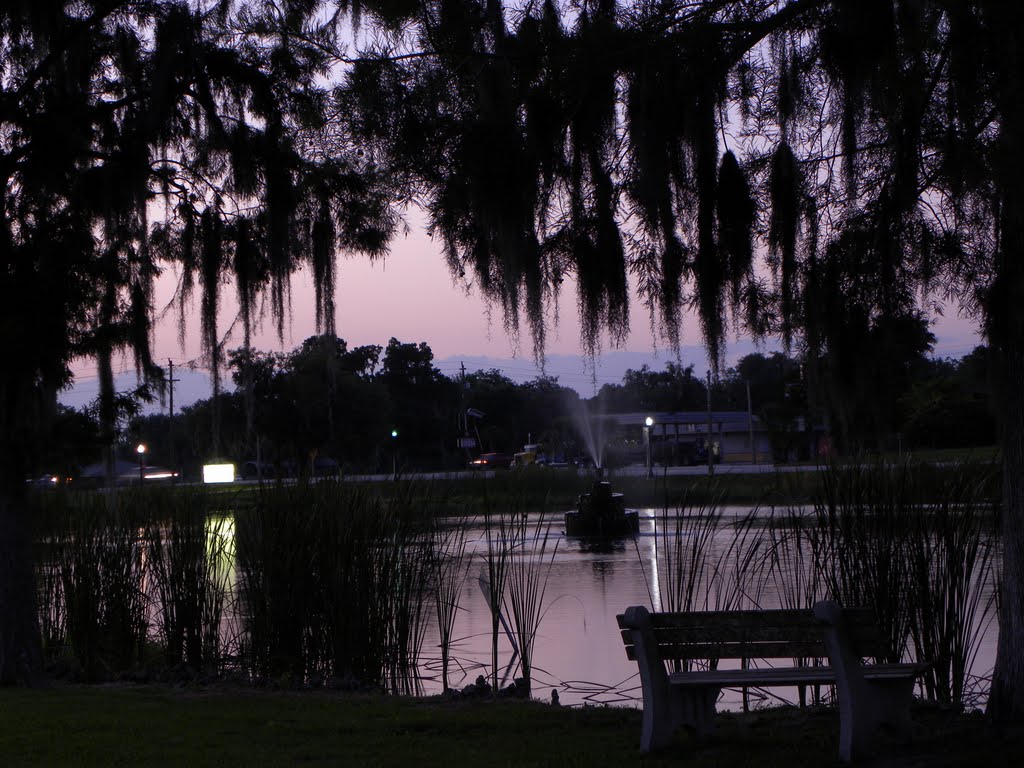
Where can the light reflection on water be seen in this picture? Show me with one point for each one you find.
(579, 650)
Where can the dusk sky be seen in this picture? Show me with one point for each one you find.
(411, 295)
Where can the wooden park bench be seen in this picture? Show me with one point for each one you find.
(678, 655)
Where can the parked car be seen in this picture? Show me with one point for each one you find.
(491, 461)
(325, 466)
(46, 481)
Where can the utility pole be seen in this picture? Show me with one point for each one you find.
(170, 417)
(750, 425)
(463, 415)
(462, 400)
(707, 443)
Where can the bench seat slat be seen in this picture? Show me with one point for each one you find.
(736, 635)
(755, 677)
(765, 677)
(711, 650)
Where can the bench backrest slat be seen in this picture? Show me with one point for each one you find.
(768, 634)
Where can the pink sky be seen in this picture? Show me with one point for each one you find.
(411, 296)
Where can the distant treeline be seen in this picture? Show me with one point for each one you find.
(370, 408)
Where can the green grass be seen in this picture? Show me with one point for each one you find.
(112, 726)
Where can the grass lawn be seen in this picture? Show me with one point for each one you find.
(144, 726)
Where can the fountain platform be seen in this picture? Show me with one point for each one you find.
(601, 513)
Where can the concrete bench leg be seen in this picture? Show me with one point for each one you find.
(878, 703)
(666, 706)
(892, 699)
(864, 704)
(692, 708)
(657, 727)
(697, 709)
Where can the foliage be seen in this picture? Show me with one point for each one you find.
(533, 553)
(919, 549)
(97, 608)
(139, 135)
(333, 582)
(664, 140)
(871, 151)
(337, 405)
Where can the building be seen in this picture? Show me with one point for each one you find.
(681, 438)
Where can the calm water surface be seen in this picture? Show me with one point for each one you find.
(578, 650)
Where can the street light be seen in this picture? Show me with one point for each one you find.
(648, 423)
(141, 450)
(394, 454)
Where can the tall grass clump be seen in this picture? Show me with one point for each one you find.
(93, 570)
(412, 586)
(450, 567)
(274, 540)
(48, 512)
(705, 562)
(953, 582)
(864, 516)
(529, 566)
(190, 565)
(333, 580)
(795, 573)
(918, 547)
(499, 532)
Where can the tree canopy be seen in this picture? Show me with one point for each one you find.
(820, 170)
(814, 169)
(758, 162)
(135, 135)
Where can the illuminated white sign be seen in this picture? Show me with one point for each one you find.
(218, 473)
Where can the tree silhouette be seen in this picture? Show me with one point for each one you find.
(139, 134)
(764, 163)
(812, 169)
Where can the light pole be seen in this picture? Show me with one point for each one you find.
(394, 455)
(648, 423)
(141, 450)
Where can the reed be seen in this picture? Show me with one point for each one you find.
(190, 565)
(93, 573)
(274, 545)
(412, 590)
(47, 511)
(683, 541)
(704, 561)
(864, 519)
(919, 548)
(529, 567)
(796, 575)
(307, 583)
(951, 590)
(498, 537)
(333, 584)
(450, 567)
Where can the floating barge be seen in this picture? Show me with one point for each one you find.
(601, 513)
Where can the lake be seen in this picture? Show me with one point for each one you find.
(578, 650)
